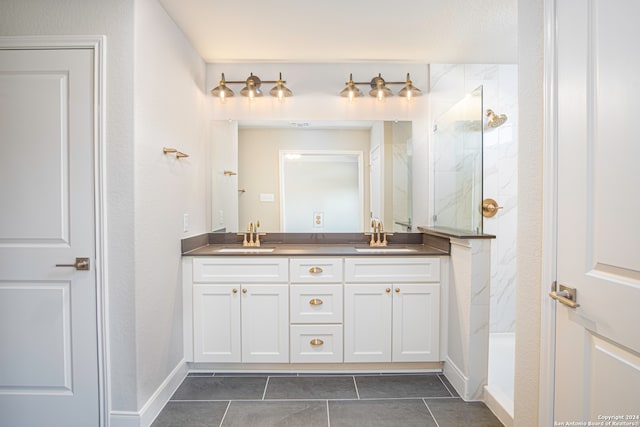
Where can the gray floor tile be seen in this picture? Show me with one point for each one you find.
(191, 414)
(457, 412)
(380, 413)
(276, 414)
(311, 387)
(400, 386)
(220, 388)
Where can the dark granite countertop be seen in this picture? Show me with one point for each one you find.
(455, 233)
(315, 244)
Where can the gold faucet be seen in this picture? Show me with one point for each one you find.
(378, 231)
(252, 229)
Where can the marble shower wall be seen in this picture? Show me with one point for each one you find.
(449, 84)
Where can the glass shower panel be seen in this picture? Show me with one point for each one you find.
(458, 165)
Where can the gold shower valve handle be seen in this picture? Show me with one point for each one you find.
(490, 208)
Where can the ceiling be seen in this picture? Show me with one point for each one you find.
(416, 31)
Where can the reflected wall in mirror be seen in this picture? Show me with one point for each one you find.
(329, 193)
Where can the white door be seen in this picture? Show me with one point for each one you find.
(367, 322)
(48, 326)
(216, 323)
(265, 323)
(597, 364)
(416, 322)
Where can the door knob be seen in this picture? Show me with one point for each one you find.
(565, 295)
(80, 264)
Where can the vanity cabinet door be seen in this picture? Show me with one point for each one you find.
(216, 323)
(416, 322)
(265, 323)
(367, 322)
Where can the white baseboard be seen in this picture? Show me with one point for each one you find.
(496, 405)
(150, 410)
(455, 376)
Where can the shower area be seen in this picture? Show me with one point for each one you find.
(474, 164)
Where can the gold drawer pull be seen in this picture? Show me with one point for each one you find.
(316, 341)
(315, 301)
(314, 270)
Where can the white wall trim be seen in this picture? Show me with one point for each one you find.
(455, 376)
(493, 403)
(549, 220)
(99, 45)
(150, 410)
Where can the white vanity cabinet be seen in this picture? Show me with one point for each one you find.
(241, 309)
(316, 310)
(392, 309)
(281, 310)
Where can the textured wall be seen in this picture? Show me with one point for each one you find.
(171, 110)
(528, 276)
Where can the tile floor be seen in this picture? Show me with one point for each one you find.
(371, 400)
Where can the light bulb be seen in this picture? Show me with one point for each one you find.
(251, 94)
(408, 94)
(351, 94)
(222, 97)
(280, 94)
(380, 95)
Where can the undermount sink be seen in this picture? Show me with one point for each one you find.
(380, 250)
(245, 250)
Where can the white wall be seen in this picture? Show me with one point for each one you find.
(115, 20)
(171, 110)
(529, 246)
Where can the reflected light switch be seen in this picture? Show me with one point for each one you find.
(267, 197)
(318, 220)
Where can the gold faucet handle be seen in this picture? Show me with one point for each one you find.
(384, 238)
(244, 239)
(257, 242)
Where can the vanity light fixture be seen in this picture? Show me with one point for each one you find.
(252, 88)
(379, 88)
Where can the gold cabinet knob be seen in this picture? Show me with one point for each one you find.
(316, 341)
(315, 270)
(235, 291)
(397, 290)
(244, 290)
(315, 301)
(387, 290)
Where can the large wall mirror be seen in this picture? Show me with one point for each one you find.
(316, 177)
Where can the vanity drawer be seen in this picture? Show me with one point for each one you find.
(316, 344)
(316, 270)
(392, 270)
(240, 270)
(315, 303)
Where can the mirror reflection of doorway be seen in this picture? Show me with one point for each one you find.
(324, 191)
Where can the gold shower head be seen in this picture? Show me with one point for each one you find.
(495, 120)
